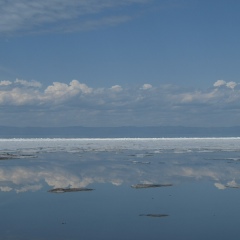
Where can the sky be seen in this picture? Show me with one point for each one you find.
(119, 63)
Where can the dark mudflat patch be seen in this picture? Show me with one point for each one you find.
(143, 185)
(154, 215)
(63, 190)
(228, 186)
(8, 156)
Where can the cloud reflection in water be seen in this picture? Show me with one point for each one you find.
(78, 168)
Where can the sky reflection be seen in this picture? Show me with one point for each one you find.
(126, 167)
(191, 193)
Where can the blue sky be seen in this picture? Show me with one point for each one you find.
(118, 63)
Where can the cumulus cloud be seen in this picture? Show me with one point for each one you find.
(5, 83)
(62, 90)
(18, 96)
(116, 88)
(28, 92)
(231, 85)
(146, 86)
(76, 103)
(220, 83)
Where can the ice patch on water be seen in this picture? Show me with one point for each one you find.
(157, 145)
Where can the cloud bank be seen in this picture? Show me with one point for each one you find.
(27, 103)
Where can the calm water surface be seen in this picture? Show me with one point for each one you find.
(200, 199)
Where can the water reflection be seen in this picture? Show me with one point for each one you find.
(154, 215)
(132, 168)
(70, 189)
(138, 193)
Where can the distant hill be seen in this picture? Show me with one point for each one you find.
(117, 132)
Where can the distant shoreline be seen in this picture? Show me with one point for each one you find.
(119, 132)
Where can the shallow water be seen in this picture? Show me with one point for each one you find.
(196, 197)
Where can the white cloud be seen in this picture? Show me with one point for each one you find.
(196, 96)
(231, 85)
(81, 87)
(57, 89)
(43, 15)
(146, 86)
(28, 83)
(60, 92)
(18, 96)
(75, 103)
(219, 83)
(5, 83)
(116, 88)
